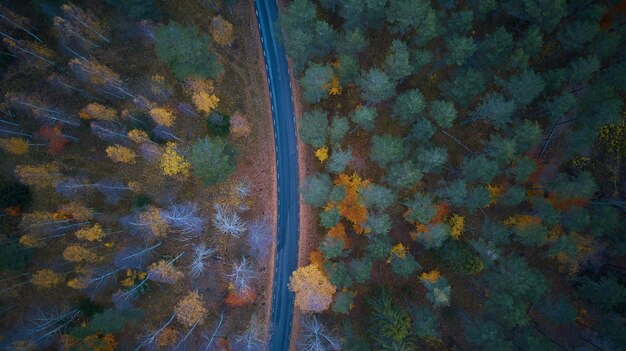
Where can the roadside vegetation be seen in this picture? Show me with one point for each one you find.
(133, 215)
(469, 180)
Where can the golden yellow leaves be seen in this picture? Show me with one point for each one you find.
(173, 163)
(190, 310)
(131, 276)
(334, 87)
(121, 154)
(138, 136)
(431, 276)
(162, 116)
(399, 250)
(77, 253)
(94, 233)
(314, 292)
(202, 96)
(322, 153)
(46, 278)
(350, 207)
(15, 146)
(457, 224)
(222, 31)
(97, 111)
(522, 220)
(39, 176)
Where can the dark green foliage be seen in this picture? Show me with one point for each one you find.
(316, 189)
(431, 159)
(377, 196)
(330, 218)
(454, 193)
(545, 13)
(513, 196)
(460, 49)
(313, 128)
(218, 124)
(404, 15)
(386, 149)
(364, 117)
(348, 69)
(13, 256)
(338, 274)
(419, 59)
(495, 47)
(361, 269)
(435, 236)
(390, 323)
(376, 86)
(338, 160)
(605, 221)
(575, 219)
(332, 247)
(337, 193)
(559, 311)
(486, 335)
(438, 292)
(421, 208)
(404, 266)
(422, 130)
(378, 246)
(576, 35)
(186, 50)
(467, 84)
(315, 82)
(443, 112)
(379, 223)
(343, 302)
(524, 167)
(460, 22)
(495, 232)
(403, 175)
(408, 106)
(496, 109)
(514, 276)
(351, 42)
(526, 134)
(425, 322)
(138, 9)
(480, 169)
(14, 194)
(581, 187)
(397, 63)
(141, 201)
(606, 292)
(525, 87)
(458, 256)
(478, 198)
(532, 41)
(532, 234)
(213, 159)
(338, 129)
(109, 321)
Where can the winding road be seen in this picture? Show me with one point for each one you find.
(287, 174)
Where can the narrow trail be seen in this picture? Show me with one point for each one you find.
(287, 174)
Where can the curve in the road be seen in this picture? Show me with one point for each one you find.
(287, 174)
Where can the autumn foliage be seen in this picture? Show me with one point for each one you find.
(350, 207)
(314, 292)
(56, 140)
(190, 310)
(239, 300)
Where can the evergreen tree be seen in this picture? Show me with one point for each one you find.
(313, 128)
(376, 86)
(213, 159)
(315, 82)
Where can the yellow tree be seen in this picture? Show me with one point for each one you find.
(75, 211)
(42, 176)
(202, 96)
(457, 224)
(162, 116)
(46, 278)
(314, 292)
(222, 31)
(97, 111)
(322, 154)
(15, 146)
(190, 311)
(121, 154)
(351, 207)
(138, 136)
(94, 233)
(164, 272)
(173, 163)
(77, 253)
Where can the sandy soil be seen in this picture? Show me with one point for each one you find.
(268, 203)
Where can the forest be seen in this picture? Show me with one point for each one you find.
(468, 186)
(133, 206)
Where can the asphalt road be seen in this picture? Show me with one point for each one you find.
(287, 174)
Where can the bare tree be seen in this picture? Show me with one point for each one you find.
(200, 255)
(47, 325)
(227, 221)
(241, 276)
(252, 338)
(110, 131)
(134, 257)
(210, 340)
(150, 340)
(185, 218)
(260, 238)
(316, 337)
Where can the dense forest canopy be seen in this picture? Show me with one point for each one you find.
(469, 174)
